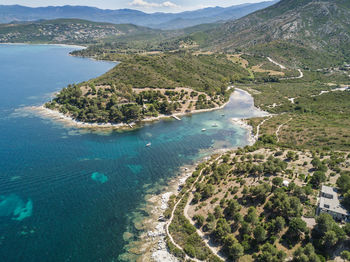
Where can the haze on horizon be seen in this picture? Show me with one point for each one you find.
(148, 6)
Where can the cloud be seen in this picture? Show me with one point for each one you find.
(142, 3)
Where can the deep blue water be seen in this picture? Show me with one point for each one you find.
(67, 195)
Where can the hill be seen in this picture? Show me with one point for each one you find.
(321, 26)
(66, 31)
(10, 13)
(144, 86)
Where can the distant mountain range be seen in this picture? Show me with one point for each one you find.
(12, 13)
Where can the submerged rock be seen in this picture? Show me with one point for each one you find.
(99, 177)
(13, 205)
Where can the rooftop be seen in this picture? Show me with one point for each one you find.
(331, 204)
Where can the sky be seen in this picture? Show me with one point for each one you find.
(148, 6)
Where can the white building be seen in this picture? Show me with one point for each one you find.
(330, 203)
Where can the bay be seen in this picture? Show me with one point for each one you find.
(70, 195)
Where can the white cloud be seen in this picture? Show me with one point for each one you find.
(142, 3)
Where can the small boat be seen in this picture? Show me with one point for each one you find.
(215, 125)
(148, 145)
(204, 130)
(223, 115)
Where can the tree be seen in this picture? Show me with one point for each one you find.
(297, 227)
(233, 249)
(259, 234)
(190, 250)
(252, 216)
(196, 197)
(318, 165)
(277, 181)
(306, 254)
(347, 228)
(237, 217)
(232, 208)
(130, 112)
(317, 178)
(327, 233)
(270, 253)
(199, 219)
(292, 155)
(208, 191)
(279, 224)
(330, 239)
(218, 212)
(346, 200)
(222, 229)
(345, 255)
(285, 206)
(343, 182)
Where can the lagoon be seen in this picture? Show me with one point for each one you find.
(70, 195)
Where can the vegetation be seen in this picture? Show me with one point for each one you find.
(148, 85)
(243, 205)
(67, 31)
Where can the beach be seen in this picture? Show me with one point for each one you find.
(71, 122)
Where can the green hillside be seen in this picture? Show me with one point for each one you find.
(321, 26)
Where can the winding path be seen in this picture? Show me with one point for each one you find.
(280, 127)
(205, 238)
(256, 137)
(187, 217)
(301, 74)
(278, 64)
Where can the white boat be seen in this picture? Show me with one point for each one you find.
(204, 130)
(148, 145)
(215, 125)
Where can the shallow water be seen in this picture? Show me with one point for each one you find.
(69, 195)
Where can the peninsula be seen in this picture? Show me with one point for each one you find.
(256, 203)
(146, 87)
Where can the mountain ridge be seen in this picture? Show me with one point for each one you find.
(11, 13)
(318, 25)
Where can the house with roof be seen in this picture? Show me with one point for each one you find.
(330, 203)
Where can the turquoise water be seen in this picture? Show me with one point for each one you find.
(67, 195)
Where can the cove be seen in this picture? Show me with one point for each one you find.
(76, 190)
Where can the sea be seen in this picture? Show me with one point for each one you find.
(68, 194)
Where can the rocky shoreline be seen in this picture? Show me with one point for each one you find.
(151, 244)
(69, 121)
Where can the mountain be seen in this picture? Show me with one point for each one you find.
(10, 13)
(67, 31)
(314, 26)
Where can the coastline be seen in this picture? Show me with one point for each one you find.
(69, 121)
(151, 245)
(152, 242)
(62, 45)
